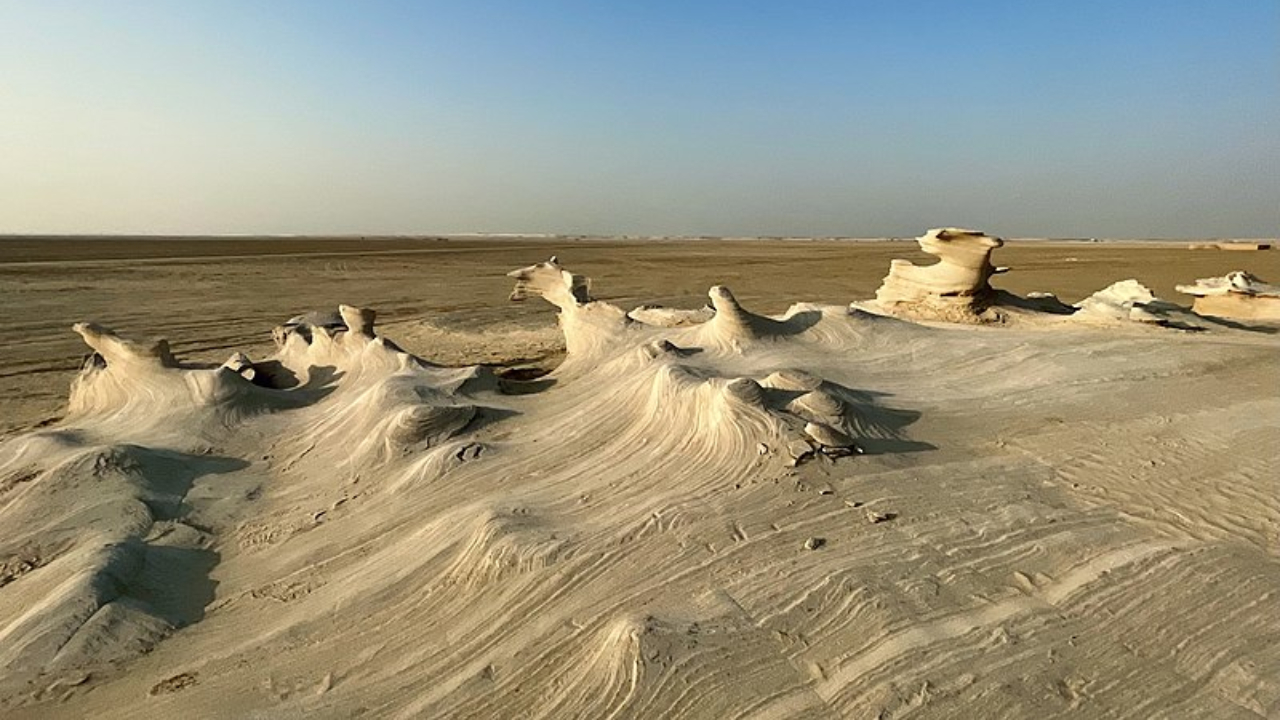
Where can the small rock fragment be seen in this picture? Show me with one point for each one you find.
(658, 348)
(875, 517)
(832, 442)
(173, 684)
(814, 543)
(800, 450)
(241, 365)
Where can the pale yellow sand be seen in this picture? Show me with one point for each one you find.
(1048, 520)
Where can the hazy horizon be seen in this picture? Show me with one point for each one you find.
(1093, 119)
(595, 236)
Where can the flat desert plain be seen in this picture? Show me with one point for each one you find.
(786, 508)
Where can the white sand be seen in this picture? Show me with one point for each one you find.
(1037, 519)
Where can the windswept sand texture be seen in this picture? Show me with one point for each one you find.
(761, 510)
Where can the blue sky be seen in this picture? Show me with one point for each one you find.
(784, 118)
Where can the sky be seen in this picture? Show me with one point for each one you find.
(1115, 118)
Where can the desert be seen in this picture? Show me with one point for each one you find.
(952, 476)
(709, 360)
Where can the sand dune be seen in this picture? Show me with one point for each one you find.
(831, 511)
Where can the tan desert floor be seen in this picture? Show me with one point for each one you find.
(1050, 521)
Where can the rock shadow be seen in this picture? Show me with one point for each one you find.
(1236, 325)
(169, 475)
(175, 582)
(796, 324)
(486, 416)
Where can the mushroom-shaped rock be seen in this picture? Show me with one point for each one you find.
(1235, 295)
(830, 441)
(818, 405)
(955, 285)
(794, 380)
(745, 390)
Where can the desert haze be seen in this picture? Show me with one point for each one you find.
(934, 478)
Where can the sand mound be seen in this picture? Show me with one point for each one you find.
(1235, 295)
(714, 513)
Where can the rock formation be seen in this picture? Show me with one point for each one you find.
(590, 325)
(141, 428)
(345, 528)
(1126, 300)
(955, 288)
(1235, 295)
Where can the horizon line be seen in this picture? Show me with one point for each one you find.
(583, 236)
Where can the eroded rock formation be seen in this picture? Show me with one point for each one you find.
(350, 526)
(1235, 295)
(956, 288)
(1124, 301)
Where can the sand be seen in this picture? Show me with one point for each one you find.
(793, 509)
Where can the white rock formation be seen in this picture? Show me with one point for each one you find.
(102, 528)
(1123, 301)
(1235, 295)
(344, 528)
(955, 288)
